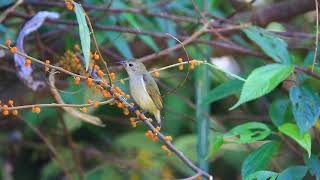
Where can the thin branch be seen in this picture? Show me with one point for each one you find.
(51, 148)
(9, 10)
(75, 154)
(317, 37)
(119, 97)
(109, 10)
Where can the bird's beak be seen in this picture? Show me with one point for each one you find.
(122, 63)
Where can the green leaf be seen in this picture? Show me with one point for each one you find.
(248, 132)
(227, 88)
(258, 159)
(216, 143)
(313, 164)
(293, 173)
(262, 81)
(146, 39)
(292, 131)
(84, 33)
(272, 45)
(120, 44)
(263, 175)
(305, 107)
(280, 111)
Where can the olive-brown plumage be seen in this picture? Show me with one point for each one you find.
(143, 88)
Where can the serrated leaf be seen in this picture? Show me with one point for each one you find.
(292, 131)
(271, 44)
(258, 159)
(263, 175)
(313, 164)
(262, 81)
(305, 107)
(248, 132)
(225, 89)
(293, 173)
(280, 111)
(84, 33)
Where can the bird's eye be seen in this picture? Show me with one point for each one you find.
(130, 65)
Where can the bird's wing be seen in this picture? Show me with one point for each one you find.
(153, 90)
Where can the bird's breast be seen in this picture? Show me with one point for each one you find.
(140, 94)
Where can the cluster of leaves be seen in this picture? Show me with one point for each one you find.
(284, 139)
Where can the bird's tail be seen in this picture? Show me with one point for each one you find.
(157, 115)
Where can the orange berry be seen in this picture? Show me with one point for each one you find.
(89, 82)
(142, 117)
(15, 112)
(5, 107)
(27, 62)
(96, 67)
(8, 42)
(127, 96)
(132, 104)
(76, 47)
(156, 74)
(105, 94)
(137, 112)
(47, 61)
(164, 147)
(0, 102)
(89, 101)
(117, 89)
(154, 138)
(157, 128)
(46, 69)
(96, 104)
(96, 57)
(36, 110)
(13, 49)
(100, 73)
(120, 105)
(83, 109)
(168, 153)
(113, 76)
(76, 80)
(180, 67)
(168, 138)
(180, 60)
(134, 124)
(5, 112)
(132, 119)
(126, 112)
(121, 81)
(10, 102)
(69, 5)
(191, 67)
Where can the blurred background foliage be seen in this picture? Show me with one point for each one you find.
(119, 151)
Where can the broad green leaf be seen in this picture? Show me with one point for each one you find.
(146, 39)
(271, 44)
(248, 132)
(258, 159)
(293, 173)
(216, 143)
(262, 81)
(227, 88)
(84, 33)
(313, 164)
(292, 131)
(120, 43)
(280, 111)
(103, 172)
(305, 107)
(263, 175)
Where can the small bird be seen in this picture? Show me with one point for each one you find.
(143, 88)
